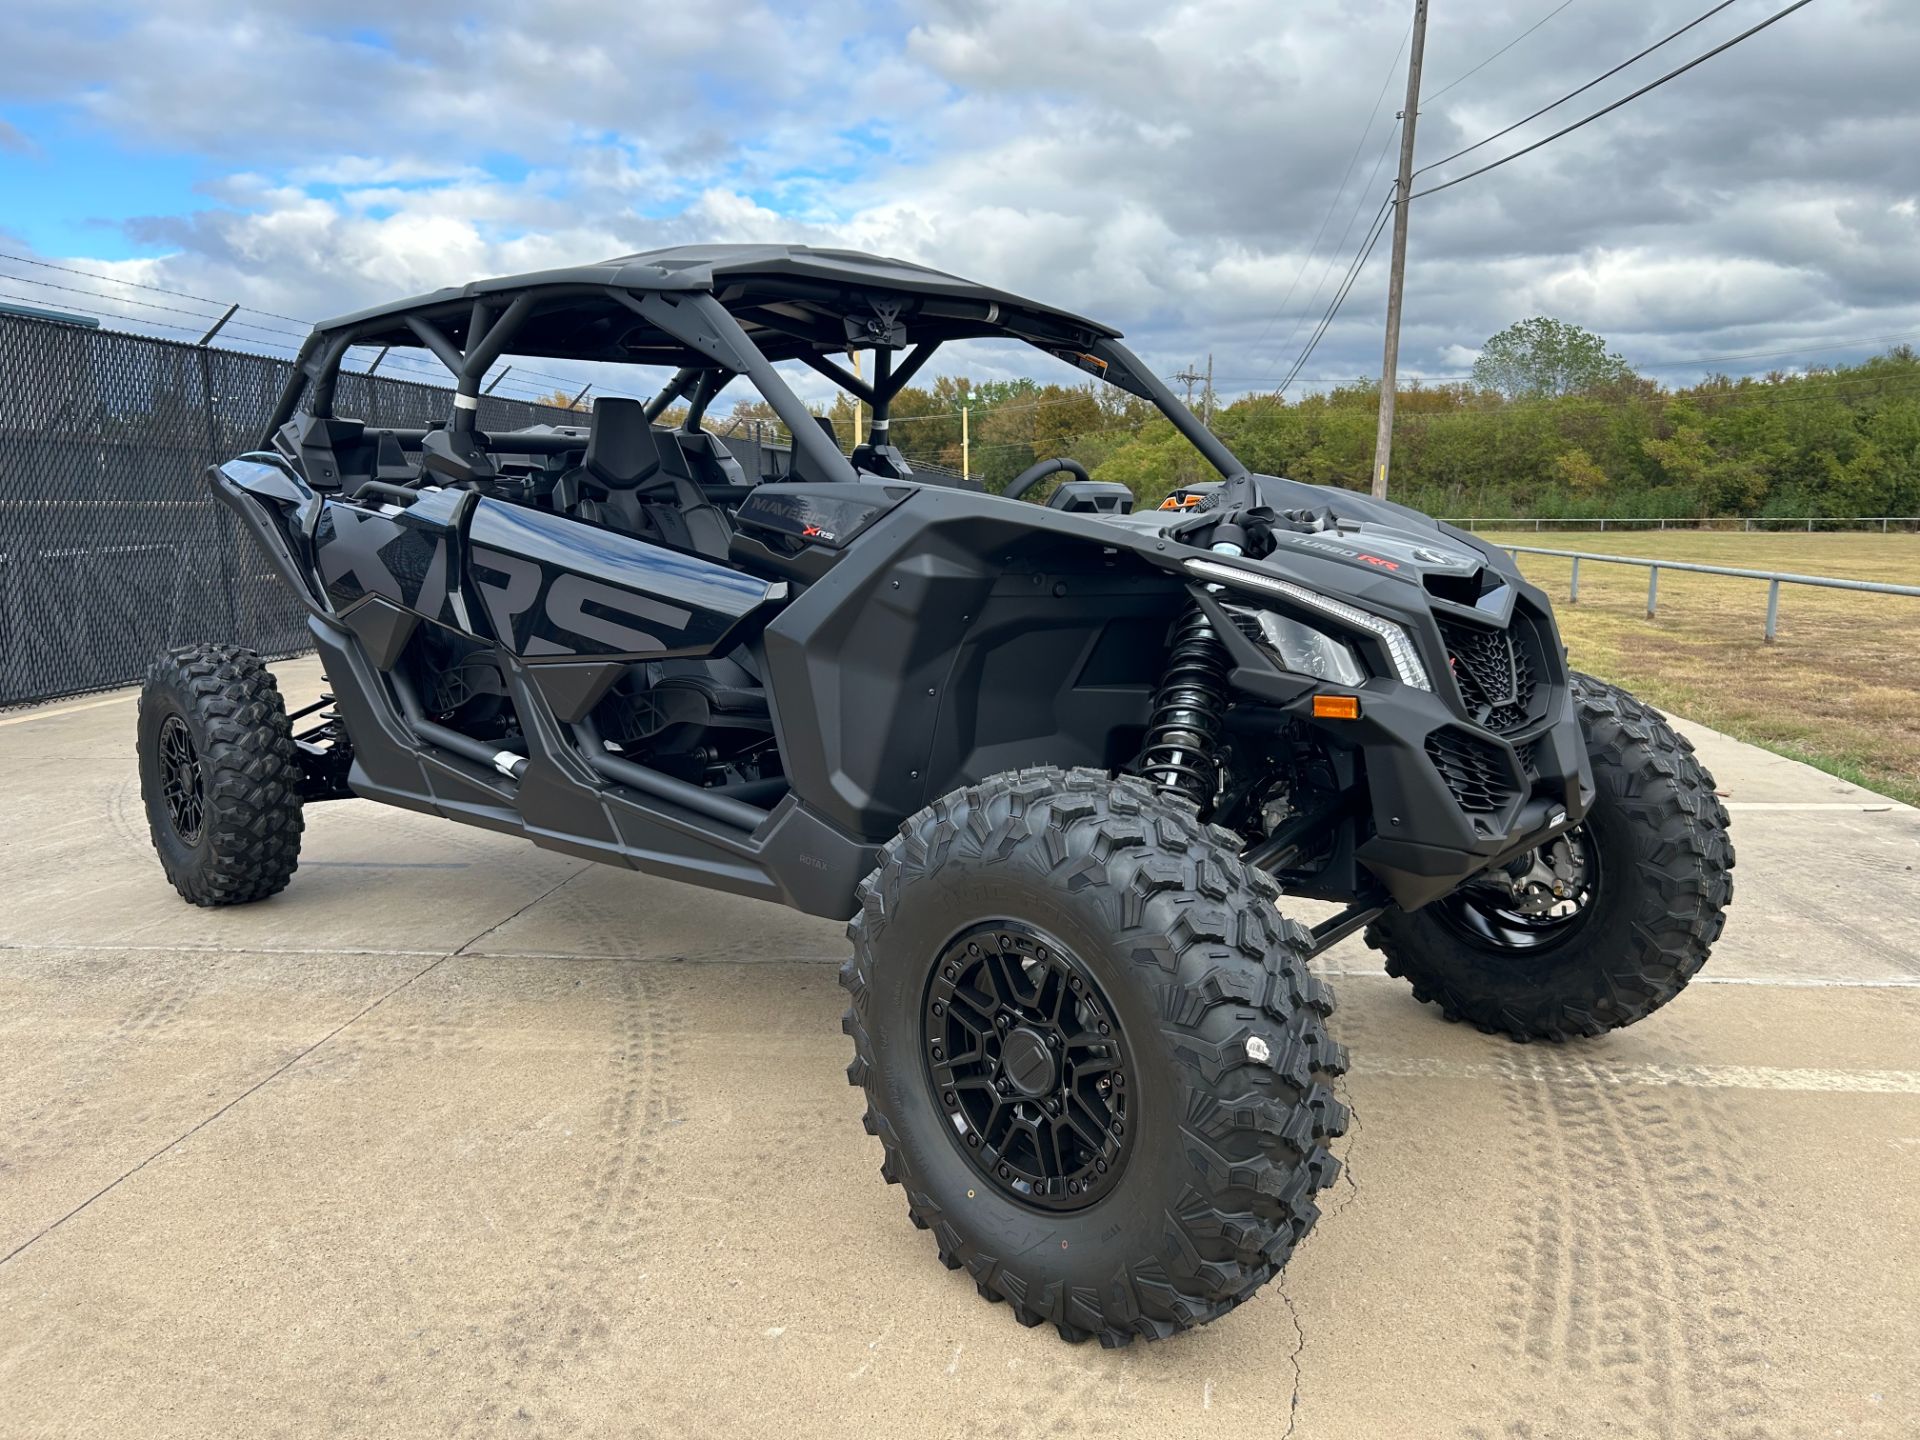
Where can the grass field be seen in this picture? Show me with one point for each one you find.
(1839, 689)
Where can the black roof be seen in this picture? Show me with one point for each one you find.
(792, 299)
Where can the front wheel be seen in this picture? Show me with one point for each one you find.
(1600, 927)
(1092, 1052)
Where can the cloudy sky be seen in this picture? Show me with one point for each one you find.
(1197, 174)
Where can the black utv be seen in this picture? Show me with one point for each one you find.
(1059, 764)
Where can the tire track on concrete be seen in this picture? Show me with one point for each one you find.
(145, 1018)
(158, 1006)
(127, 817)
(588, 1255)
(1638, 1222)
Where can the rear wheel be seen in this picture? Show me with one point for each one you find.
(1092, 1052)
(1601, 927)
(220, 775)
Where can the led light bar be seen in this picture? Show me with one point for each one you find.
(1400, 647)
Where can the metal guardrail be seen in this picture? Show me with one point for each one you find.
(1774, 578)
(1766, 523)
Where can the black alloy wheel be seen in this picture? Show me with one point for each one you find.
(183, 787)
(1543, 899)
(1025, 1052)
(1597, 929)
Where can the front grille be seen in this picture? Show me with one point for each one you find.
(1475, 770)
(1495, 674)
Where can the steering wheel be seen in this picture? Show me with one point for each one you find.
(1034, 474)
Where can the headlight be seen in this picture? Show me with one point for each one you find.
(1400, 646)
(1304, 650)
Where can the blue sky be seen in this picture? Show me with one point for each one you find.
(1187, 172)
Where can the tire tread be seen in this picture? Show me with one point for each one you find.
(1201, 930)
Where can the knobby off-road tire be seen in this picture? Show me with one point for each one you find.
(1659, 833)
(1228, 1107)
(220, 775)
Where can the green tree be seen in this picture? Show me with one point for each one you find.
(1545, 357)
(1575, 469)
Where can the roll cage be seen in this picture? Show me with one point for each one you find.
(716, 313)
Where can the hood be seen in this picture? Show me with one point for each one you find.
(1326, 522)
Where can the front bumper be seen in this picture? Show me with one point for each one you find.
(1448, 794)
(1450, 799)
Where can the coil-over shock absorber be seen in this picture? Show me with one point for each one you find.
(1180, 751)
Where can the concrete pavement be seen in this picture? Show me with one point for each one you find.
(458, 1137)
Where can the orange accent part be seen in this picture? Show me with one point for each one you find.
(1336, 707)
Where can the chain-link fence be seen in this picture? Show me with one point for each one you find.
(111, 547)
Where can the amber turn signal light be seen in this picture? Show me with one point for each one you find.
(1336, 707)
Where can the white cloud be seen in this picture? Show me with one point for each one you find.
(1167, 169)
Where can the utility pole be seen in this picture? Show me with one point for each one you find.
(854, 356)
(1206, 396)
(1190, 377)
(966, 444)
(1396, 282)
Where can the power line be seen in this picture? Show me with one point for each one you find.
(1581, 91)
(178, 294)
(142, 285)
(96, 314)
(1375, 230)
(532, 392)
(1653, 85)
(1359, 205)
(148, 304)
(1334, 203)
(1502, 50)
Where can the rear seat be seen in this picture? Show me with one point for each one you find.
(651, 487)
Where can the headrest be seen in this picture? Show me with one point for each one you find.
(620, 447)
(709, 459)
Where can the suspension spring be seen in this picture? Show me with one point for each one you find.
(1180, 752)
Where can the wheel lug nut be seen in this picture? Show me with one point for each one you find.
(938, 1053)
(1104, 1029)
(950, 1098)
(1099, 1165)
(938, 1008)
(1074, 983)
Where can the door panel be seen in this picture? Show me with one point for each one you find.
(548, 585)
